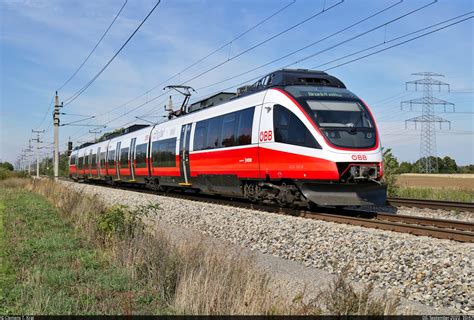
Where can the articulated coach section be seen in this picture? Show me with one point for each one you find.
(295, 137)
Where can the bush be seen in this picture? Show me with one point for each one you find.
(117, 221)
(390, 165)
(6, 165)
(4, 173)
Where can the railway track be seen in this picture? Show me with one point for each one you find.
(431, 204)
(421, 226)
(456, 230)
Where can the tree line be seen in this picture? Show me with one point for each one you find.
(445, 165)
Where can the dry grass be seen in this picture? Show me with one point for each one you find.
(14, 183)
(341, 298)
(192, 277)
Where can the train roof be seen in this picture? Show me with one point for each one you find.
(211, 101)
(287, 77)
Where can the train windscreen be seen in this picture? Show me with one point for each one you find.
(345, 124)
(339, 114)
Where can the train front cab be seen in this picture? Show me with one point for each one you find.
(325, 141)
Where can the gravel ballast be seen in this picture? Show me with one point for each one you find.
(434, 272)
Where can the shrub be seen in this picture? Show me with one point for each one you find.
(4, 173)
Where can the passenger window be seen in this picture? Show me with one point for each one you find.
(214, 131)
(244, 134)
(111, 158)
(86, 161)
(102, 160)
(200, 135)
(94, 160)
(291, 130)
(79, 163)
(164, 153)
(124, 158)
(229, 126)
(140, 155)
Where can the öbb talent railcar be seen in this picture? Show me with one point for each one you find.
(295, 137)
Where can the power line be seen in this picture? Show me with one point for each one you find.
(49, 109)
(304, 47)
(399, 44)
(93, 49)
(87, 85)
(264, 41)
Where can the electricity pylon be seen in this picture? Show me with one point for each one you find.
(428, 119)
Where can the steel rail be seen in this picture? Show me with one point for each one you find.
(432, 204)
(438, 223)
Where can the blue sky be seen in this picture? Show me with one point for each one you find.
(43, 42)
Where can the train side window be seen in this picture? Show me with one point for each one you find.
(140, 155)
(72, 160)
(244, 133)
(291, 130)
(164, 153)
(94, 160)
(86, 160)
(200, 135)
(102, 159)
(111, 158)
(124, 158)
(79, 163)
(213, 134)
(229, 128)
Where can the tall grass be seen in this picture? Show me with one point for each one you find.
(191, 276)
(444, 194)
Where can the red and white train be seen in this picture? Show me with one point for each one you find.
(295, 137)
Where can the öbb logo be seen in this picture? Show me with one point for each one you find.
(359, 157)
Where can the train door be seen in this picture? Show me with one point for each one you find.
(117, 160)
(90, 163)
(76, 163)
(184, 154)
(99, 164)
(132, 157)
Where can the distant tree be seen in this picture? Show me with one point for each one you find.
(406, 167)
(447, 165)
(420, 164)
(6, 165)
(466, 169)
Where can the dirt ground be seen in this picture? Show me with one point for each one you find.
(455, 181)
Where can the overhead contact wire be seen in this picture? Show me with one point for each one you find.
(78, 93)
(95, 47)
